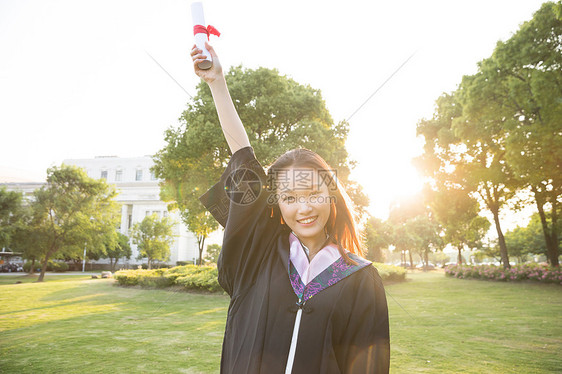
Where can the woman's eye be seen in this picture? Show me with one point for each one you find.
(287, 199)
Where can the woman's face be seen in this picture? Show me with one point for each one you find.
(304, 201)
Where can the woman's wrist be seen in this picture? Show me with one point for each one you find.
(219, 82)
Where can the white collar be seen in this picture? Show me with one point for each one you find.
(309, 270)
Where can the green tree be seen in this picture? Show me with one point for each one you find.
(416, 234)
(200, 222)
(28, 241)
(439, 258)
(153, 236)
(213, 251)
(517, 242)
(405, 234)
(404, 241)
(70, 211)
(428, 239)
(529, 239)
(457, 213)
(116, 249)
(25, 240)
(12, 215)
(465, 150)
(524, 77)
(488, 250)
(278, 114)
(501, 130)
(378, 236)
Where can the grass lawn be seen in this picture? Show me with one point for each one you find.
(74, 324)
(29, 278)
(452, 325)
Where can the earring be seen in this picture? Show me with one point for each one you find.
(271, 215)
(282, 222)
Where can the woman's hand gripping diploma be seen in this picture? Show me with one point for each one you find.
(232, 126)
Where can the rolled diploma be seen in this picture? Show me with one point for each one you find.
(200, 38)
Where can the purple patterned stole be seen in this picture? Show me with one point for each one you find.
(334, 273)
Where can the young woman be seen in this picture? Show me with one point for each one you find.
(302, 298)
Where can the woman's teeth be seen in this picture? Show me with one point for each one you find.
(308, 220)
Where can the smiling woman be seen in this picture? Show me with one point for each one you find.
(302, 298)
(312, 203)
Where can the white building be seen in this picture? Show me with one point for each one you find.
(139, 196)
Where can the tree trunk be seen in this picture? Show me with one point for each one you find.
(459, 258)
(201, 242)
(550, 236)
(554, 235)
(149, 264)
(411, 259)
(43, 269)
(32, 269)
(501, 240)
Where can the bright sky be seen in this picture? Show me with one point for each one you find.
(76, 80)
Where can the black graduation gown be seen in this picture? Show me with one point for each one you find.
(344, 328)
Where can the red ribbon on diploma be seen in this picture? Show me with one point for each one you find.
(200, 29)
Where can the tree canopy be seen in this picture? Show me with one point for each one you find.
(500, 131)
(71, 211)
(278, 113)
(12, 215)
(378, 236)
(413, 229)
(458, 215)
(153, 235)
(116, 249)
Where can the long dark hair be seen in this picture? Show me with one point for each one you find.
(341, 223)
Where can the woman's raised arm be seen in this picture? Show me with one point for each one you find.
(231, 124)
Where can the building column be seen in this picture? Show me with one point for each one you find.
(124, 219)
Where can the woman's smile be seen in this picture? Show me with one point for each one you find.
(307, 221)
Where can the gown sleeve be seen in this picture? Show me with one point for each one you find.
(365, 346)
(239, 202)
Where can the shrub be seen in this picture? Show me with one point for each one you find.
(130, 277)
(182, 263)
(27, 266)
(190, 277)
(390, 272)
(158, 281)
(535, 272)
(59, 267)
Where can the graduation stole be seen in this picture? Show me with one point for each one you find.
(334, 273)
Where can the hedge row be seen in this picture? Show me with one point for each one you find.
(190, 277)
(204, 278)
(535, 272)
(390, 273)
